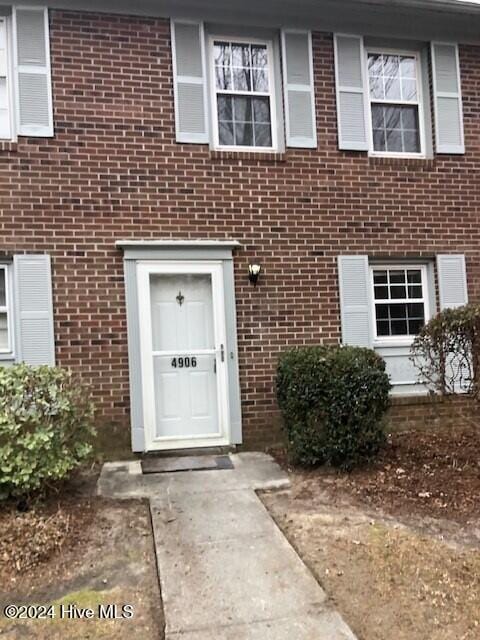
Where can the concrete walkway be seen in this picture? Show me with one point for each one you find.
(226, 570)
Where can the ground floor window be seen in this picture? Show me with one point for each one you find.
(5, 311)
(400, 301)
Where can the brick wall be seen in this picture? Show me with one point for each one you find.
(113, 171)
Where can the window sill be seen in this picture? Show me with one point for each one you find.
(262, 156)
(397, 161)
(405, 342)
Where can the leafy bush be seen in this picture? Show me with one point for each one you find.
(447, 351)
(46, 424)
(333, 401)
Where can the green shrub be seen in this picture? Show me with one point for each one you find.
(46, 424)
(333, 401)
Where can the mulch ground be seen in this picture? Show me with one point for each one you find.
(434, 474)
(76, 548)
(395, 544)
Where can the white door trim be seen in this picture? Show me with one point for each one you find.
(214, 268)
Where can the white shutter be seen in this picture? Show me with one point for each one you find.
(452, 281)
(33, 312)
(447, 95)
(351, 90)
(189, 81)
(299, 89)
(32, 71)
(5, 128)
(355, 299)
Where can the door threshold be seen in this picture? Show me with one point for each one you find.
(194, 451)
(186, 463)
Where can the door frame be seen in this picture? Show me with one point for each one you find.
(214, 268)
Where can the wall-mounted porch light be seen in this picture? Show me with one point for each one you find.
(254, 271)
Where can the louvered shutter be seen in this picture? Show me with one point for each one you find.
(452, 281)
(32, 71)
(447, 96)
(33, 309)
(5, 129)
(355, 300)
(351, 92)
(189, 77)
(299, 89)
(452, 286)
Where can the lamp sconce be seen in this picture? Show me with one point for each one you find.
(254, 271)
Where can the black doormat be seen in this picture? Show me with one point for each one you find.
(186, 463)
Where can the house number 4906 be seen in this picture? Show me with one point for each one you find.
(185, 362)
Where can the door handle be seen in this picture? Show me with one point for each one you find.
(222, 353)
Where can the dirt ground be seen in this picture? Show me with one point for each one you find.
(396, 546)
(81, 551)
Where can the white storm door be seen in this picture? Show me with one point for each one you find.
(182, 335)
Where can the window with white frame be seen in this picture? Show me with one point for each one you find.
(396, 120)
(5, 312)
(5, 80)
(243, 94)
(400, 301)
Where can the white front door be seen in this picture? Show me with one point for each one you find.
(182, 337)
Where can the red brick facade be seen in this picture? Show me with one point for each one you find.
(113, 171)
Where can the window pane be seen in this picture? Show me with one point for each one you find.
(383, 328)
(415, 291)
(223, 77)
(379, 140)
(409, 90)
(398, 311)
(409, 118)
(397, 277)
(414, 276)
(391, 66)
(260, 80)
(3, 289)
(393, 89)
(263, 135)
(3, 332)
(415, 326)
(411, 141)
(394, 141)
(261, 110)
(416, 310)
(375, 64)
(221, 53)
(243, 109)
(393, 117)
(383, 312)
(377, 91)
(241, 55)
(259, 56)
(399, 328)
(380, 277)
(398, 292)
(241, 79)
(225, 133)
(225, 108)
(244, 134)
(407, 67)
(381, 293)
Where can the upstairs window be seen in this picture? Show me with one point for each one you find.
(400, 300)
(394, 89)
(5, 81)
(243, 94)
